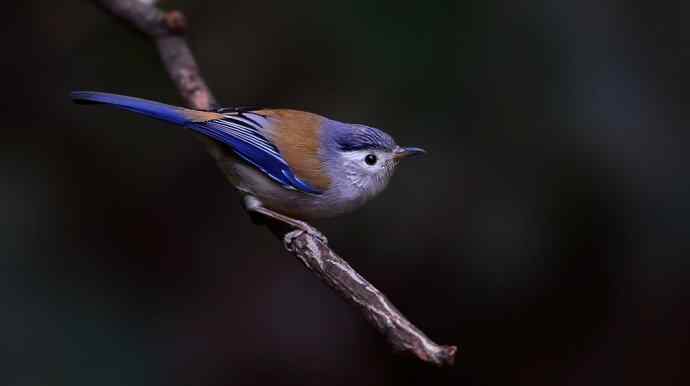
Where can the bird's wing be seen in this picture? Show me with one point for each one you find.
(283, 144)
(247, 134)
(298, 136)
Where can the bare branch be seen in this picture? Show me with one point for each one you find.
(166, 29)
(340, 276)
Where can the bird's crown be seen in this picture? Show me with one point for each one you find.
(361, 137)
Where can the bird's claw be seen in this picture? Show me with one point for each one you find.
(308, 229)
(291, 238)
(315, 233)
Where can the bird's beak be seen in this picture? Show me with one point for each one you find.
(404, 152)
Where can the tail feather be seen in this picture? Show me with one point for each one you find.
(149, 108)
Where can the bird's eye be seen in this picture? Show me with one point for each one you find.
(370, 159)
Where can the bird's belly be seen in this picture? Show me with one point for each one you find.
(248, 180)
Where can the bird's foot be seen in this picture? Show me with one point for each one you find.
(302, 227)
(311, 231)
(252, 204)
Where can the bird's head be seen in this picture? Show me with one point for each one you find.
(368, 157)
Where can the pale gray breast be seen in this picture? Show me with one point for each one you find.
(248, 180)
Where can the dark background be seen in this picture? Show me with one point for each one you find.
(546, 232)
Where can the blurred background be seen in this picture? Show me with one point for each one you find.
(546, 232)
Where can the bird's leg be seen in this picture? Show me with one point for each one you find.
(252, 204)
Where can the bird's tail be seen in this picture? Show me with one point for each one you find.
(149, 108)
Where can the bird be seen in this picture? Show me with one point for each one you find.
(289, 165)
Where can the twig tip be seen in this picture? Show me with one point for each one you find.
(449, 355)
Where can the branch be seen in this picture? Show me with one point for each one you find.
(340, 276)
(166, 29)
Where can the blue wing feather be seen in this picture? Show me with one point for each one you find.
(242, 133)
(239, 129)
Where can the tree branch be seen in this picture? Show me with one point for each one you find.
(375, 306)
(166, 29)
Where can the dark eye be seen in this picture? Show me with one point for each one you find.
(370, 159)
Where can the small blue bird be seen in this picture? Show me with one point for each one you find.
(288, 165)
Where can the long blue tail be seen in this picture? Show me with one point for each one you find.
(149, 108)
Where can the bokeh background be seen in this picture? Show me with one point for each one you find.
(546, 232)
